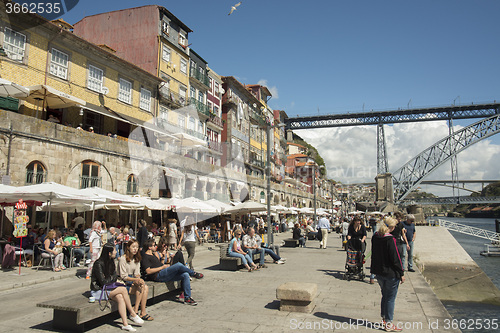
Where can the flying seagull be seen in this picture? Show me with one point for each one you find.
(233, 8)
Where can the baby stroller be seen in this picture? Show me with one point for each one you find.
(355, 260)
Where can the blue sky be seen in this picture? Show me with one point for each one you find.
(338, 55)
(343, 56)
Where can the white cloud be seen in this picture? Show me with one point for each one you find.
(273, 90)
(350, 153)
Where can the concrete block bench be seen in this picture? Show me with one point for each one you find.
(71, 313)
(297, 296)
(290, 242)
(228, 263)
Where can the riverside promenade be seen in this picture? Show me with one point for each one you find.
(241, 301)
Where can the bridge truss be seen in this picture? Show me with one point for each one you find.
(396, 116)
(465, 229)
(406, 178)
(452, 201)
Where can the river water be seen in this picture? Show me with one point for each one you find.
(464, 313)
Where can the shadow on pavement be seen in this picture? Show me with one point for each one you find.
(274, 305)
(335, 273)
(348, 320)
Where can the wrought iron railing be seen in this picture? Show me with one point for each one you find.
(216, 120)
(199, 76)
(90, 181)
(33, 177)
(201, 107)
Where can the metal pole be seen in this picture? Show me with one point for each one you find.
(270, 240)
(9, 151)
(331, 193)
(314, 192)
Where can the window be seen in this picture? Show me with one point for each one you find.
(216, 88)
(90, 175)
(163, 112)
(181, 121)
(59, 64)
(182, 94)
(182, 39)
(95, 79)
(201, 97)
(184, 66)
(145, 103)
(35, 173)
(200, 127)
(216, 110)
(192, 66)
(125, 92)
(167, 53)
(192, 92)
(192, 124)
(132, 184)
(165, 28)
(14, 44)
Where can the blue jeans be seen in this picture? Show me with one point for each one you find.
(245, 259)
(272, 254)
(408, 256)
(177, 272)
(389, 287)
(262, 253)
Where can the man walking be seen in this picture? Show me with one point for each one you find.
(323, 227)
(409, 225)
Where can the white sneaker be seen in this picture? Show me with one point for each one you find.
(87, 261)
(280, 262)
(283, 259)
(137, 320)
(129, 328)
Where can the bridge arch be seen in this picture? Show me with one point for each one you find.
(407, 178)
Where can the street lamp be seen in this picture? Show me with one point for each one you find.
(270, 240)
(314, 189)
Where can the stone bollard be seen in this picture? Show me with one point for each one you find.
(297, 296)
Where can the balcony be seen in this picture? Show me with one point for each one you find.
(217, 121)
(202, 78)
(173, 98)
(217, 146)
(258, 118)
(195, 133)
(33, 177)
(90, 181)
(229, 99)
(197, 194)
(258, 163)
(219, 196)
(201, 107)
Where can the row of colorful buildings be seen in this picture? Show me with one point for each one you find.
(119, 100)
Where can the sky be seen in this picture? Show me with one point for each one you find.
(333, 56)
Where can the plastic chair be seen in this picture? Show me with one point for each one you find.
(21, 252)
(44, 255)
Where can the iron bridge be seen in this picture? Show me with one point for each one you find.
(396, 116)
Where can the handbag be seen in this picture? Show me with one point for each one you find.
(319, 235)
(106, 289)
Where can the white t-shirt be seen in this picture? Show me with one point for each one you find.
(190, 236)
(95, 240)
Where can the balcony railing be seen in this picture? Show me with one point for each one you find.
(195, 133)
(257, 163)
(35, 177)
(201, 107)
(173, 97)
(229, 99)
(131, 188)
(219, 196)
(216, 120)
(258, 118)
(217, 146)
(198, 76)
(197, 194)
(88, 181)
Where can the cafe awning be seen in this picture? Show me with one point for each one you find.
(52, 98)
